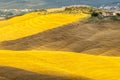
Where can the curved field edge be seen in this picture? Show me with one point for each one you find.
(63, 63)
(34, 23)
(10, 73)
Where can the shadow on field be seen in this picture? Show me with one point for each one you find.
(9, 73)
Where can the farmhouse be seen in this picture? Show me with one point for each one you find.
(106, 14)
(111, 13)
(117, 13)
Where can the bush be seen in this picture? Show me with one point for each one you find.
(118, 14)
(95, 14)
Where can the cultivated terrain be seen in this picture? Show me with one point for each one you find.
(60, 45)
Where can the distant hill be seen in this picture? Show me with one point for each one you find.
(52, 3)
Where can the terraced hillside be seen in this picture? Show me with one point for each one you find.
(92, 36)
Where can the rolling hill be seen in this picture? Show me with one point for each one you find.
(73, 66)
(33, 23)
(57, 46)
(93, 36)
